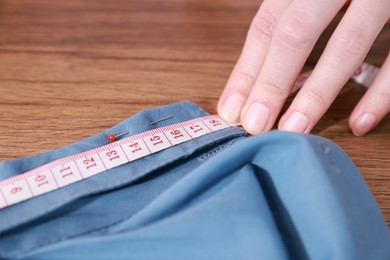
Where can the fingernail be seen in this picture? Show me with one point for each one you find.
(232, 107)
(256, 118)
(296, 122)
(364, 124)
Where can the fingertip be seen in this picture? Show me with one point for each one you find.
(282, 120)
(363, 124)
(230, 108)
(255, 119)
(295, 122)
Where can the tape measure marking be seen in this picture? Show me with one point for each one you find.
(68, 170)
(74, 168)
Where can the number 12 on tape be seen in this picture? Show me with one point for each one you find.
(71, 169)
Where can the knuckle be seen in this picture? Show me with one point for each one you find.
(383, 94)
(262, 26)
(275, 89)
(316, 98)
(295, 30)
(352, 42)
(247, 76)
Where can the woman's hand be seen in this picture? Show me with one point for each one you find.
(280, 39)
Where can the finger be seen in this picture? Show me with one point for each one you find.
(294, 37)
(375, 104)
(249, 64)
(343, 54)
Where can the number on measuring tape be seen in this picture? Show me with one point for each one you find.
(113, 157)
(17, 192)
(41, 183)
(90, 165)
(197, 129)
(66, 174)
(177, 136)
(216, 124)
(136, 149)
(68, 170)
(157, 142)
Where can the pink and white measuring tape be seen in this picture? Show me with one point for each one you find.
(68, 170)
(71, 169)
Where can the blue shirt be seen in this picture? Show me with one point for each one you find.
(222, 196)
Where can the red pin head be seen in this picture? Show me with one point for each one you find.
(111, 138)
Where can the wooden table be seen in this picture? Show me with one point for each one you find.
(69, 69)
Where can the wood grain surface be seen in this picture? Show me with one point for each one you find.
(70, 69)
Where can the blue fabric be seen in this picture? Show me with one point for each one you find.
(222, 196)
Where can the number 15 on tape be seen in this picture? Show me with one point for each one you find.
(71, 169)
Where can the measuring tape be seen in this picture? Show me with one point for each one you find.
(71, 169)
(68, 170)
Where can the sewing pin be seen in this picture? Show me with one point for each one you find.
(113, 137)
(162, 119)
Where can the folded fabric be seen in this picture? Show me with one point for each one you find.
(278, 195)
